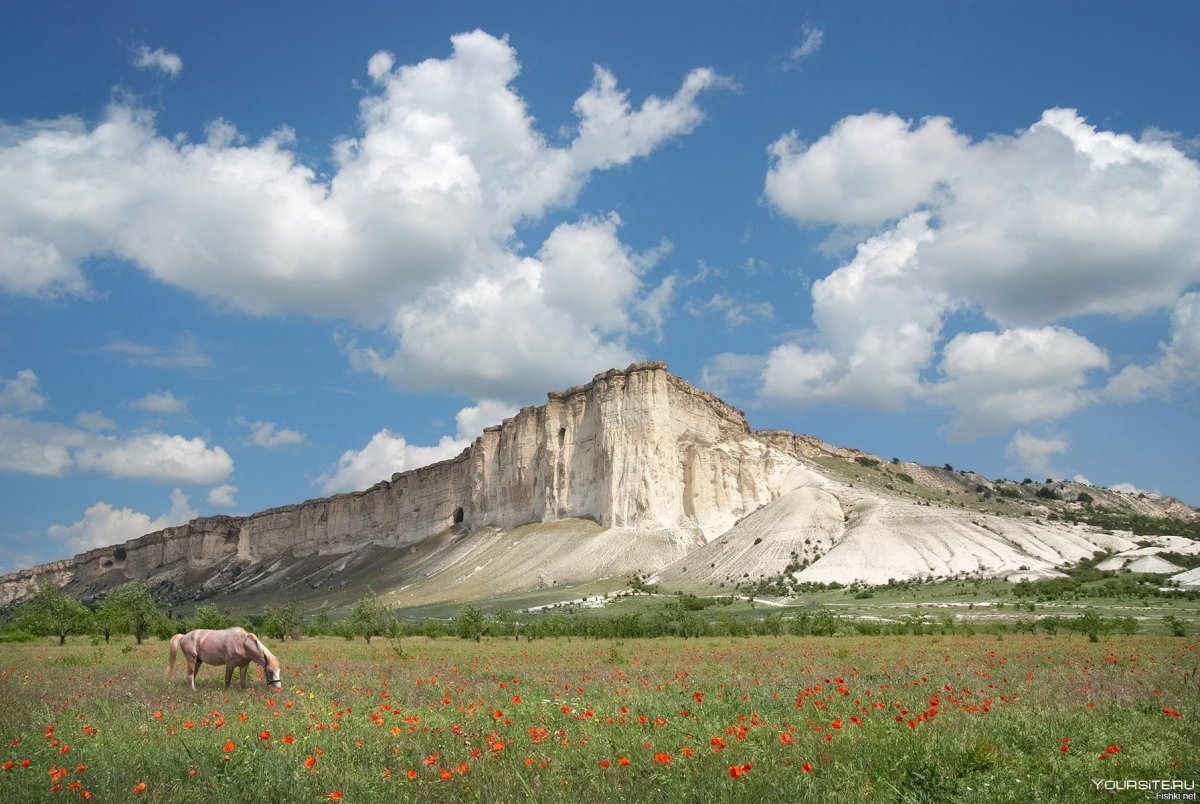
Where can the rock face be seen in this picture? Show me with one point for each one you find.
(665, 473)
(635, 449)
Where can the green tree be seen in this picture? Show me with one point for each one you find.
(282, 621)
(371, 616)
(141, 615)
(211, 617)
(52, 612)
(469, 623)
(108, 618)
(507, 623)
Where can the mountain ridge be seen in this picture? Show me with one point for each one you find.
(654, 470)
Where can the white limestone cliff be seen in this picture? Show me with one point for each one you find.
(675, 478)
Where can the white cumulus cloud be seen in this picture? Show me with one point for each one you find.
(491, 337)
(415, 228)
(159, 402)
(269, 435)
(993, 381)
(54, 450)
(876, 330)
(809, 45)
(1029, 230)
(95, 421)
(1034, 454)
(103, 525)
(223, 496)
(387, 452)
(1178, 361)
(21, 393)
(158, 59)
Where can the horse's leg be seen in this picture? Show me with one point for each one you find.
(193, 668)
(228, 674)
(244, 676)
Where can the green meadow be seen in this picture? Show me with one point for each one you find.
(963, 718)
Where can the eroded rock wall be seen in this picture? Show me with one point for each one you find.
(638, 448)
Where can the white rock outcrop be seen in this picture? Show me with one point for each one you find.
(667, 478)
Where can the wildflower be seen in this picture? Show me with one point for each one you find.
(446, 774)
(264, 735)
(412, 774)
(735, 771)
(463, 768)
(230, 746)
(662, 758)
(187, 724)
(1170, 712)
(288, 739)
(308, 763)
(336, 795)
(604, 763)
(139, 788)
(807, 767)
(623, 761)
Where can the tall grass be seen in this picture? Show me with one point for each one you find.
(955, 718)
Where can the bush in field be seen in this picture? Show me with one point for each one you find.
(53, 613)
(209, 616)
(108, 618)
(372, 617)
(469, 623)
(282, 621)
(132, 609)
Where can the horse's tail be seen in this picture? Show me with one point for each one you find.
(175, 640)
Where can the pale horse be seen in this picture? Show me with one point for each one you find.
(232, 647)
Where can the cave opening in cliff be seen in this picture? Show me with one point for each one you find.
(119, 554)
(458, 516)
(562, 437)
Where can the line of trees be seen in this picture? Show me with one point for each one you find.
(131, 610)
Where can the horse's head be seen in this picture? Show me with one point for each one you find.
(271, 668)
(270, 662)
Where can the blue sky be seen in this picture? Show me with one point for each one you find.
(251, 255)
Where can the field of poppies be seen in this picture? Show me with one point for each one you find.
(761, 719)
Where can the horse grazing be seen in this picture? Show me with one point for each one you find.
(232, 647)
